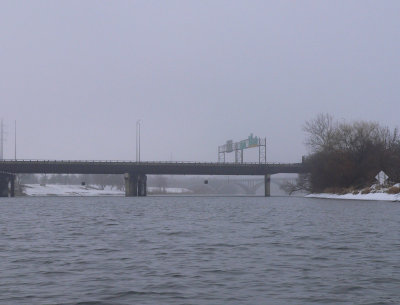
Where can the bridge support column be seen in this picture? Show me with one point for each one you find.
(135, 185)
(131, 185)
(7, 185)
(3, 186)
(142, 185)
(267, 183)
(12, 186)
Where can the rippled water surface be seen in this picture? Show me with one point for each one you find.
(198, 250)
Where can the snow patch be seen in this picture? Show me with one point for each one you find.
(168, 190)
(69, 190)
(86, 190)
(376, 194)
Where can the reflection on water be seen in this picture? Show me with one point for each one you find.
(198, 250)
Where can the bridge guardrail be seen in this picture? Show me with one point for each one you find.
(149, 162)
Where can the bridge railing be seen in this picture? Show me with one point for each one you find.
(147, 162)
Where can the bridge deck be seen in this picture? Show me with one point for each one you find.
(156, 168)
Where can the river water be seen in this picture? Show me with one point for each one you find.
(198, 250)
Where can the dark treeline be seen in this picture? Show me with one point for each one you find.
(348, 155)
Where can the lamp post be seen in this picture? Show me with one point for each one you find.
(1, 139)
(15, 139)
(138, 141)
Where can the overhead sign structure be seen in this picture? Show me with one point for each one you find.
(238, 148)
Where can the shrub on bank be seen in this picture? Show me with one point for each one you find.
(367, 190)
(393, 190)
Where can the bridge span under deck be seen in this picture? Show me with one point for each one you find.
(135, 172)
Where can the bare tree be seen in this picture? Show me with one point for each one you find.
(301, 184)
(347, 155)
(321, 133)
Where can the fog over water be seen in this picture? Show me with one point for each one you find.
(77, 75)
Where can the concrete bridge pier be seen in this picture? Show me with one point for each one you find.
(267, 184)
(135, 185)
(12, 186)
(7, 185)
(142, 185)
(131, 185)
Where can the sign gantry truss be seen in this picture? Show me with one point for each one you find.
(238, 147)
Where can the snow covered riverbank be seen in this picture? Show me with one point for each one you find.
(68, 190)
(85, 190)
(375, 193)
(375, 196)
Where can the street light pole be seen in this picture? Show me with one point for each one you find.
(15, 139)
(1, 139)
(138, 141)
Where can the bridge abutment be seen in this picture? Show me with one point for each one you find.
(135, 185)
(267, 185)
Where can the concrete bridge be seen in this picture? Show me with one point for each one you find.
(135, 172)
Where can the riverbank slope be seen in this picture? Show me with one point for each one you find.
(375, 192)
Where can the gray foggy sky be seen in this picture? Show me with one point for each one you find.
(76, 75)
